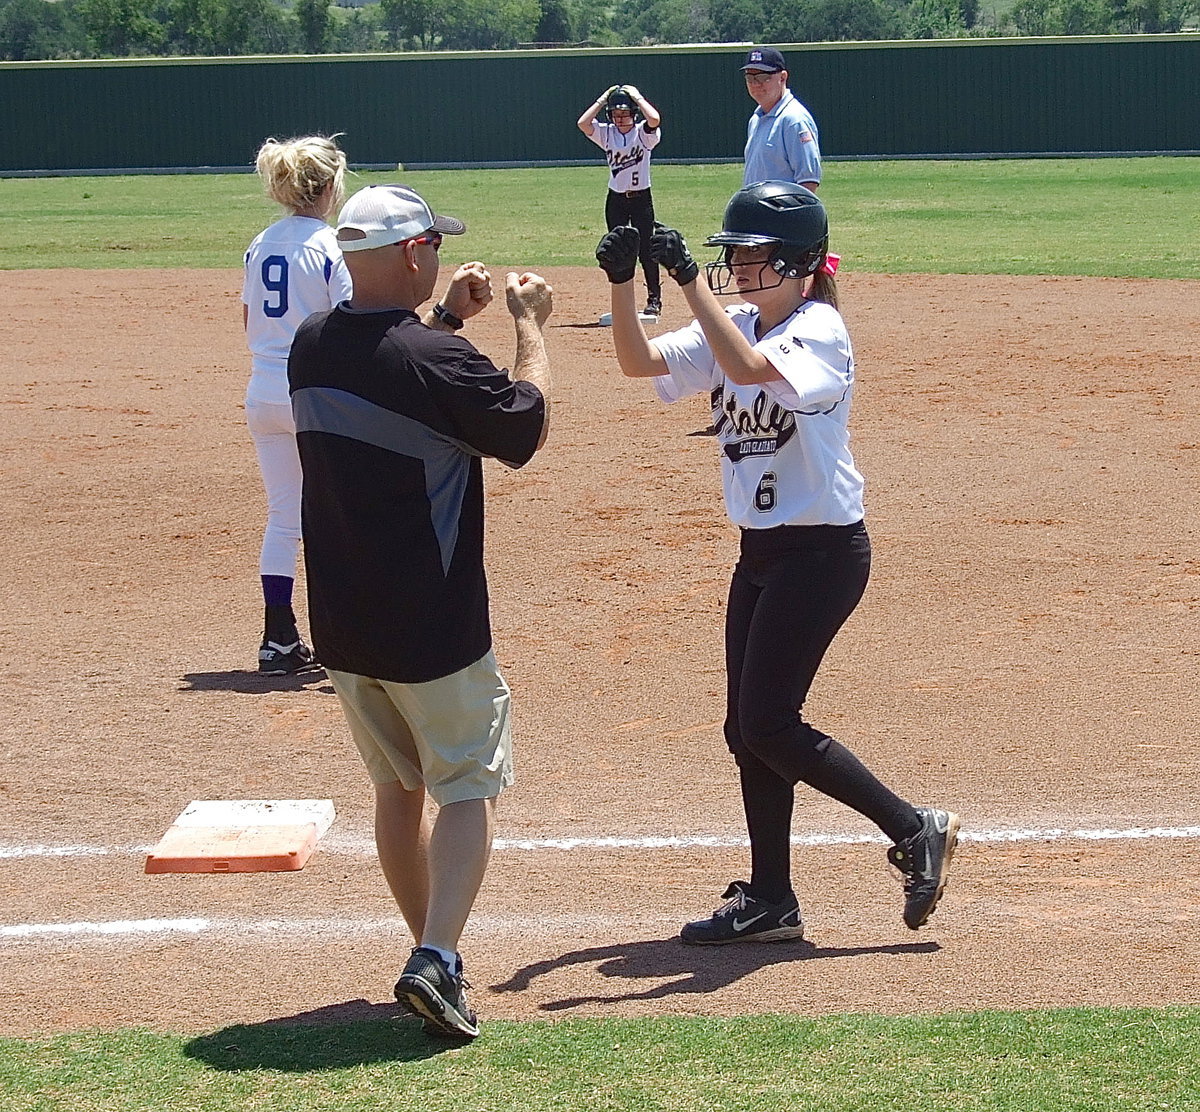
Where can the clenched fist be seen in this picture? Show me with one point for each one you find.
(667, 246)
(617, 254)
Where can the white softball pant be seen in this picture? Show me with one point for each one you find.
(274, 434)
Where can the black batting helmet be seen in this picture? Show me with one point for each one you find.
(620, 99)
(779, 214)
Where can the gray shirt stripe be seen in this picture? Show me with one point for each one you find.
(445, 459)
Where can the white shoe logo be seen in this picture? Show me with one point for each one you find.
(274, 647)
(739, 925)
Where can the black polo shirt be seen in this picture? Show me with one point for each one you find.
(392, 419)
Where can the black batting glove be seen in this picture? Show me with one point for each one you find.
(667, 247)
(617, 254)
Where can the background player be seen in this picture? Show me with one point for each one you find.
(627, 145)
(293, 268)
(780, 372)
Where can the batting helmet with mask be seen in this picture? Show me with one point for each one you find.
(619, 99)
(777, 214)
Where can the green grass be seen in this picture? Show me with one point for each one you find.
(1123, 217)
(1052, 1061)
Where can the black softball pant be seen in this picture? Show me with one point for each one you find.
(792, 590)
(636, 209)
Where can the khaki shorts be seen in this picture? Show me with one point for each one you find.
(451, 735)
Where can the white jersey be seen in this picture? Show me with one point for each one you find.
(293, 269)
(628, 154)
(785, 445)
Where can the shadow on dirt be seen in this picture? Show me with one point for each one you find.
(352, 1033)
(694, 969)
(252, 683)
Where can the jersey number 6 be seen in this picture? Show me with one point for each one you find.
(764, 496)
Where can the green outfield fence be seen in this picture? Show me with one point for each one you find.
(974, 98)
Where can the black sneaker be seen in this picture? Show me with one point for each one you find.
(653, 309)
(428, 989)
(745, 919)
(275, 659)
(924, 859)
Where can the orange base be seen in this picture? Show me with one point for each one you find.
(214, 849)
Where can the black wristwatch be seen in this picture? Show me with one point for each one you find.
(446, 317)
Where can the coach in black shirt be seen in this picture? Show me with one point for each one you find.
(394, 413)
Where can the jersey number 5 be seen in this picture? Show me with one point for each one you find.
(764, 496)
(275, 280)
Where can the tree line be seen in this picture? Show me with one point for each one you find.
(56, 29)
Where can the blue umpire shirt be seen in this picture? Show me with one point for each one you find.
(782, 145)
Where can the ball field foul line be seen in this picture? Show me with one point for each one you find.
(355, 846)
(319, 929)
(158, 928)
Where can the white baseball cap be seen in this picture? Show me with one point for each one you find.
(383, 214)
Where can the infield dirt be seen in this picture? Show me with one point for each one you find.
(1026, 654)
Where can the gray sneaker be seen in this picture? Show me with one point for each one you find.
(924, 859)
(745, 919)
(428, 989)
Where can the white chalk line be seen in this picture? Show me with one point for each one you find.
(159, 928)
(134, 930)
(349, 845)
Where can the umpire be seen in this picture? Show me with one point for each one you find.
(394, 414)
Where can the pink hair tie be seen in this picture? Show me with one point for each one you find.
(830, 265)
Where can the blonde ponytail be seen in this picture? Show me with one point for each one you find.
(295, 171)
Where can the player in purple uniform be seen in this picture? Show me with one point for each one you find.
(293, 269)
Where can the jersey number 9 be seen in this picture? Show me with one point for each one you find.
(275, 280)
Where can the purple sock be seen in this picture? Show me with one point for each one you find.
(277, 590)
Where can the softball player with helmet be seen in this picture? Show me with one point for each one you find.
(292, 269)
(627, 142)
(780, 370)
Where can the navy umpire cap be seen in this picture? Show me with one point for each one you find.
(764, 59)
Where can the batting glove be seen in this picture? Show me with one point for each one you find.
(617, 254)
(668, 247)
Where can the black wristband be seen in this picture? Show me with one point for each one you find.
(446, 317)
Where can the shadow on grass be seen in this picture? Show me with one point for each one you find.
(252, 683)
(353, 1033)
(685, 970)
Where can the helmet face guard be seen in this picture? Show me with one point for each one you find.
(782, 263)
